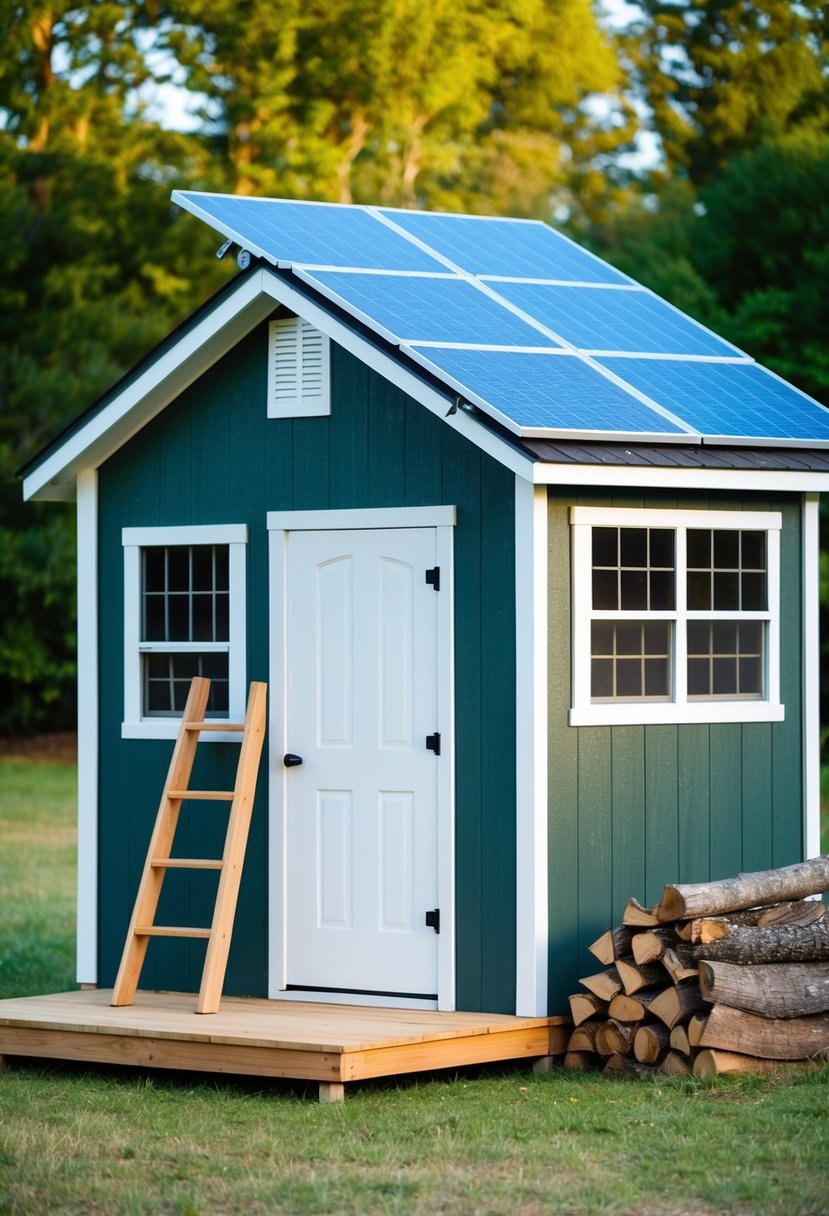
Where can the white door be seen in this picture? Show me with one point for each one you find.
(361, 811)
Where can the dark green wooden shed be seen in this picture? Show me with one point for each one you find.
(534, 664)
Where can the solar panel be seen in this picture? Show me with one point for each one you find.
(594, 318)
(485, 245)
(456, 281)
(312, 234)
(727, 400)
(533, 393)
(424, 309)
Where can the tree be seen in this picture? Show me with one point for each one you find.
(720, 76)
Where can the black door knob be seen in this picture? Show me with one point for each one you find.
(290, 760)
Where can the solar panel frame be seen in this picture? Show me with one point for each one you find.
(562, 309)
(467, 255)
(417, 308)
(448, 364)
(676, 376)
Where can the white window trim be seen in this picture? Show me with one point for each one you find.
(679, 709)
(135, 724)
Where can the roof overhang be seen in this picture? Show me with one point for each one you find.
(247, 301)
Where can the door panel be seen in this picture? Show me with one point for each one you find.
(361, 811)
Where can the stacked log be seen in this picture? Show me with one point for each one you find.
(728, 976)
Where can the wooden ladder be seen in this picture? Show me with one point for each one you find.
(142, 925)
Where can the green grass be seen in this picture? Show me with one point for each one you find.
(82, 1141)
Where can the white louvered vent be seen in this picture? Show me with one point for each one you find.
(297, 370)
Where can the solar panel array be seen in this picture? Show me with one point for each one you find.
(521, 322)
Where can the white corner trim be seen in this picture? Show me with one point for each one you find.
(811, 677)
(531, 581)
(88, 732)
(276, 749)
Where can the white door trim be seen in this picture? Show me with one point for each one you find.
(280, 524)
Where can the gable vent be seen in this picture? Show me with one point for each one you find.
(298, 356)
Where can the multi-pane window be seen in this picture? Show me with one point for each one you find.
(674, 609)
(184, 616)
(185, 599)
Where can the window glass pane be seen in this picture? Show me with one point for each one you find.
(222, 617)
(605, 589)
(154, 628)
(662, 547)
(656, 678)
(657, 634)
(724, 677)
(178, 568)
(699, 637)
(751, 637)
(605, 546)
(753, 550)
(203, 618)
(698, 678)
(750, 672)
(178, 619)
(203, 567)
(724, 637)
(628, 637)
(628, 678)
(601, 678)
(726, 549)
(726, 591)
(753, 592)
(699, 547)
(634, 590)
(222, 567)
(601, 637)
(699, 590)
(661, 590)
(154, 566)
(634, 546)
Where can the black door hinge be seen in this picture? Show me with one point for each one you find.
(433, 919)
(433, 743)
(433, 577)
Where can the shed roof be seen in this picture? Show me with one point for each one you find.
(541, 335)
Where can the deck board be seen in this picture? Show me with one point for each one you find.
(291, 1039)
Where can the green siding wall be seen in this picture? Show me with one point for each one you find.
(214, 457)
(634, 807)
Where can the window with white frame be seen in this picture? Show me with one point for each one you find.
(675, 616)
(184, 616)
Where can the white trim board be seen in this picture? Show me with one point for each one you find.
(649, 478)
(811, 677)
(88, 729)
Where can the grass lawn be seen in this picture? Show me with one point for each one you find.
(96, 1140)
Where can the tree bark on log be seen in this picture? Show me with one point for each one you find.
(633, 1008)
(774, 990)
(604, 985)
(651, 1042)
(628, 1069)
(635, 977)
(651, 944)
(677, 1003)
(688, 900)
(770, 1038)
(774, 944)
(615, 1038)
(613, 944)
(710, 1063)
(583, 1038)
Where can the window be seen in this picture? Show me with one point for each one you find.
(184, 614)
(675, 616)
(298, 359)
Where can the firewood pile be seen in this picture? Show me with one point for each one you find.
(729, 976)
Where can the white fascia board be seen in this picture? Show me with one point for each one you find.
(145, 396)
(390, 369)
(811, 677)
(649, 478)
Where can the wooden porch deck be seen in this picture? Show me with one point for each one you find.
(330, 1044)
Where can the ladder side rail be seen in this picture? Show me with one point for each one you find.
(218, 947)
(161, 843)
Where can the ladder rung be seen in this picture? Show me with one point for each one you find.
(203, 795)
(187, 863)
(169, 931)
(237, 727)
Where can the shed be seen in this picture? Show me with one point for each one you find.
(529, 560)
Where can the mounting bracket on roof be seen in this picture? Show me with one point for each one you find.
(224, 249)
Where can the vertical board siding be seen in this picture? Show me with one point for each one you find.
(214, 457)
(632, 808)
